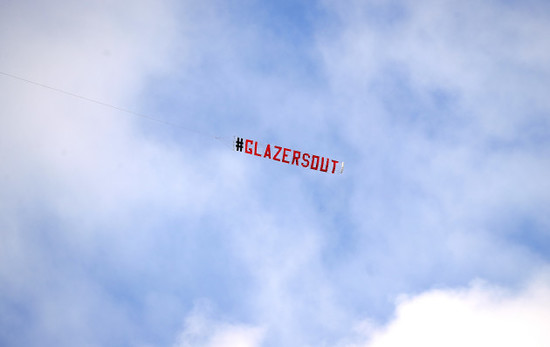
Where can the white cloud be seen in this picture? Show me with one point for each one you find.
(75, 175)
(201, 330)
(481, 315)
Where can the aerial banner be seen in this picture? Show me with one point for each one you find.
(288, 156)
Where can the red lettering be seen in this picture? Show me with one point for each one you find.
(314, 159)
(246, 149)
(256, 149)
(285, 155)
(334, 162)
(324, 169)
(306, 160)
(267, 152)
(295, 157)
(277, 153)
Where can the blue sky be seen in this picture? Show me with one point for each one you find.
(118, 230)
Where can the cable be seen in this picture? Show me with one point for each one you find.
(108, 105)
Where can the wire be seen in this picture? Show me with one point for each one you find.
(110, 106)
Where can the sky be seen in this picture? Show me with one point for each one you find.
(123, 230)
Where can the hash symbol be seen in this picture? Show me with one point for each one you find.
(239, 144)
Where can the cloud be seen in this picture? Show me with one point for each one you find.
(445, 53)
(203, 331)
(75, 175)
(480, 315)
